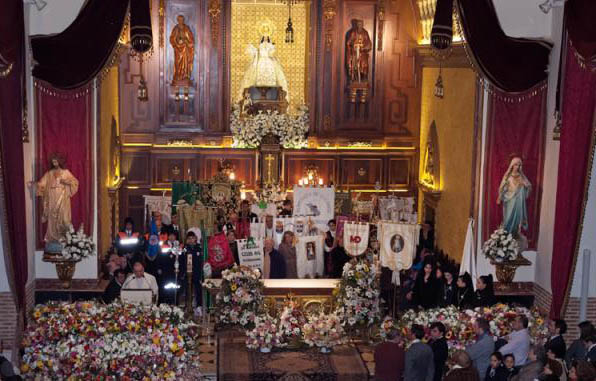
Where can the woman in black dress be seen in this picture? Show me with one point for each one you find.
(447, 289)
(426, 286)
(464, 292)
(485, 294)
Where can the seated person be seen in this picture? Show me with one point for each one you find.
(112, 292)
(274, 266)
(128, 241)
(116, 262)
(139, 279)
(389, 358)
(485, 294)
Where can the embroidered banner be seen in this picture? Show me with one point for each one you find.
(220, 255)
(317, 203)
(398, 244)
(356, 238)
(309, 256)
(250, 253)
(160, 204)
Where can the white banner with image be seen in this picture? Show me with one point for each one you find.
(250, 253)
(356, 237)
(318, 203)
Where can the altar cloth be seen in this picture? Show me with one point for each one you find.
(238, 363)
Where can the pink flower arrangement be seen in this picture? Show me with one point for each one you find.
(265, 334)
(291, 321)
(86, 340)
(324, 331)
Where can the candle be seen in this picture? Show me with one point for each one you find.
(189, 263)
(300, 182)
(232, 176)
(243, 195)
(320, 181)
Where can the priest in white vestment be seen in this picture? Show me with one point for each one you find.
(139, 279)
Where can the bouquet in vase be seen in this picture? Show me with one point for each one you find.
(324, 331)
(265, 335)
(76, 245)
(501, 246)
(240, 298)
(291, 322)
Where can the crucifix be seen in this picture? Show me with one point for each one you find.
(269, 159)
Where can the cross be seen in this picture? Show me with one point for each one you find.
(269, 158)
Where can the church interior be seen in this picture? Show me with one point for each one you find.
(297, 190)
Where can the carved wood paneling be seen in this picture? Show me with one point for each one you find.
(244, 166)
(400, 172)
(362, 172)
(295, 166)
(136, 168)
(172, 168)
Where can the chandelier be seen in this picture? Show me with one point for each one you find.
(290, 27)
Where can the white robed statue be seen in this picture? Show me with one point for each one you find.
(513, 193)
(264, 70)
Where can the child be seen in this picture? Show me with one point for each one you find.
(496, 371)
(194, 248)
(509, 361)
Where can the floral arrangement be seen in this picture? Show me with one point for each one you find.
(291, 130)
(501, 246)
(76, 245)
(460, 324)
(265, 335)
(291, 321)
(85, 340)
(387, 325)
(323, 331)
(357, 294)
(240, 297)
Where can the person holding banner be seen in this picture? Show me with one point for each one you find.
(274, 264)
(287, 249)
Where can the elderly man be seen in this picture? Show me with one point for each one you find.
(274, 264)
(139, 279)
(518, 341)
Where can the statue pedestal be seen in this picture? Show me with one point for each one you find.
(358, 92)
(266, 99)
(506, 271)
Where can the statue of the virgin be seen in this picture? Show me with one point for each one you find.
(513, 193)
(265, 69)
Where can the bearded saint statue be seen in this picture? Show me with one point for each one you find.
(182, 41)
(56, 188)
(513, 193)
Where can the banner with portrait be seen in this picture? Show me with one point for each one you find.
(356, 238)
(316, 203)
(250, 253)
(309, 256)
(160, 204)
(398, 244)
(282, 224)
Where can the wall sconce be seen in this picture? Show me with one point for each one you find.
(439, 89)
(142, 92)
(232, 176)
(290, 28)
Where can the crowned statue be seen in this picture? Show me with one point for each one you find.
(182, 41)
(56, 188)
(513, 193)
(264, 69)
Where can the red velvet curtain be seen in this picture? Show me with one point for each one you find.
(64, 126)
(579, 104)
(514, 128)
(12, 91)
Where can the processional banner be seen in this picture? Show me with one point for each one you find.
(356, 238)
(250, 253)
(309, 256)
(398, 245)
(317, 203)
(160, 204)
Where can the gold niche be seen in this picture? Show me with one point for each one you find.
(247, 16)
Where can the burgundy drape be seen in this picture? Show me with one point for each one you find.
(64, 126)
(514, 128)
(579, 104)
(12, 90)
(510, 64)
(582, 28)
(74, 57)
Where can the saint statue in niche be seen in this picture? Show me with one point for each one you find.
(358, 47)
(429, 165)
(264, 69)
(182, 41)
(56, 188)
(513, 193)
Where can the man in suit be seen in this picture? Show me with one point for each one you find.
(419, 358)
(439, 347)
(482, 349)
(389, 358)
(112, 292)
(556, 344)
(591, 349)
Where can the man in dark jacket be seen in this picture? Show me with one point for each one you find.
(556, 344)
(389, 358)
(419, 358)
(274, 266)
(112, 292)
(439, 347)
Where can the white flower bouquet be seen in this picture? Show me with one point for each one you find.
(248, 131)
(323, 331)
(76, 245)
(501, 246)
(240, 298)
(291, 322)
(265, 334)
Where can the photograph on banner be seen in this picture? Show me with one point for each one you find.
(309, 256)
(161, 204)
(398, 244)
(250, 253)
(317, 203)
(356, 238)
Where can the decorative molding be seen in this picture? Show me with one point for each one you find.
(162, 18)
(381, 17)
(457, 58)
(329, 12)
(180, 142)
(214, 13)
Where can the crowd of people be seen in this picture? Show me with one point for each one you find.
(510, 358)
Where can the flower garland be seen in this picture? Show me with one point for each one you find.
(249, 131)
(265, 334)
(324, 331)
(76, 245)
(460, 324)
(87, 340)
(240, 298)
(357, 294)
(501, 246)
